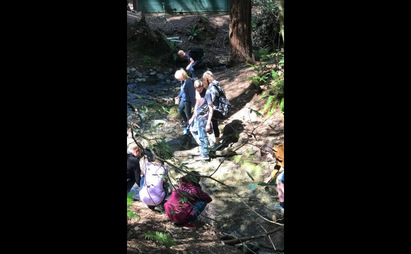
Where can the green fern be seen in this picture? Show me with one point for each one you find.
(161, 238)
(275, 95)
(193, 32)
(131, 214)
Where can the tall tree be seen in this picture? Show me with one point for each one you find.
(240, 32)
(280, 6)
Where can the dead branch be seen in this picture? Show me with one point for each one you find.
(269, 237)
(246, 238)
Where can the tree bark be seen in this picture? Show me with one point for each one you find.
(280, 6)
(240, 32)
(135, 5)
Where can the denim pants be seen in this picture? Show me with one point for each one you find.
(136, 190)
(198, 207)
(191, 68)
(184, 108)
(203, 137)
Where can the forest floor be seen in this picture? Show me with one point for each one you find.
(212, 230)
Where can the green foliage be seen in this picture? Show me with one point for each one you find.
(172, 45)
(131, 214)
(266, 25)
(282, 105)
(161, 238)
(183, 199)
(262, 53)
(173, 112)
(193, 33)
(250, 176)
(252, 186)
(261, 76)
(274, 76)
(276, 93)
(147, 60)
(162, 149)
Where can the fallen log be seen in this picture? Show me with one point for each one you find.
(246, 238)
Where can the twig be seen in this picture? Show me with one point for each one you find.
(246, 238)
(245, 245)
(269, 237)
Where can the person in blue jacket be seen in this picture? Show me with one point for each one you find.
(186, 96)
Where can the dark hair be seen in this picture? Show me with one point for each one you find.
(191, 177)
(151, 157)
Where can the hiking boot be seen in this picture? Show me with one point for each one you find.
(190, 226)
(183, 124)
(158, 208)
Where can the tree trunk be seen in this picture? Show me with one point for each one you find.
(280, 5)
(240, 32)
(135, 5)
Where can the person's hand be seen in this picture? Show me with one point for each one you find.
(208, 127)
(190, 121)
(187, 67)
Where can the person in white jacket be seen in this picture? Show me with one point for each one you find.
(154, 189)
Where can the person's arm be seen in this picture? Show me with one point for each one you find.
(193, 116)
(203, 195)
(181, 92)
(210, 115)
(195, 110)
(191, 62)
(210, 110)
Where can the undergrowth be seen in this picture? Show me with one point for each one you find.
(161, 238)
(270, 73)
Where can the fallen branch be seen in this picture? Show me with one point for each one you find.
(246, 238)
(194, 152)
(269, 237)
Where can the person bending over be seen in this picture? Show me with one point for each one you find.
(195, 56)
(153, 191)
(187, 201)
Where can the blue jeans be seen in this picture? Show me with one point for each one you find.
(191, 69)
(203, 137)
(198, 207)
(137, 189)
(184, 108)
